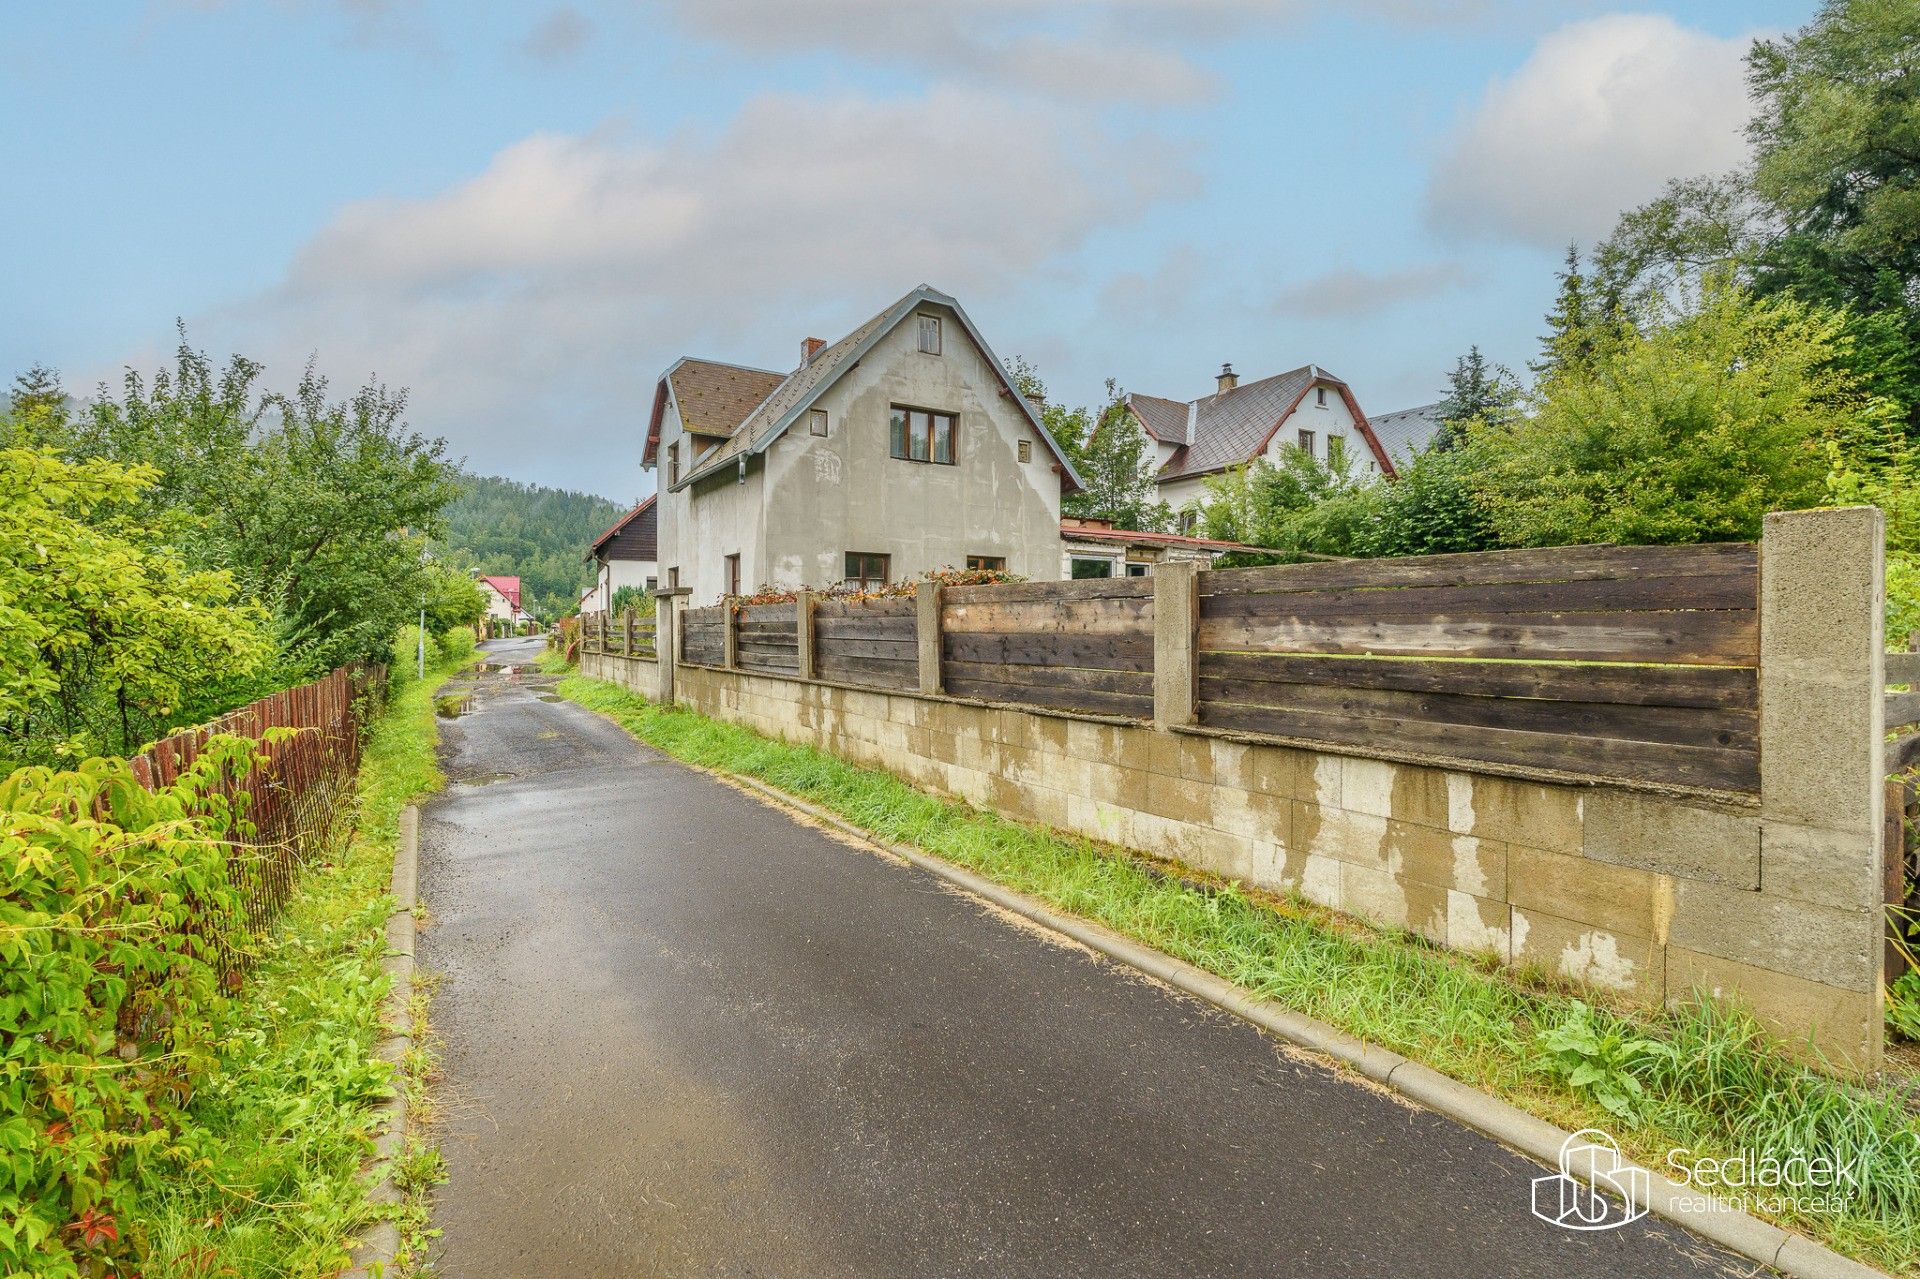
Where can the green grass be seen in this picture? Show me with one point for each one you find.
(554, 662)
(1703, 1077)
(291, 1113)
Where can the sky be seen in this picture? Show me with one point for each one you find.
(523, 213)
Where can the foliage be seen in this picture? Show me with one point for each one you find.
(1431, 509)
(1716, 1084)
(453, 598)
(1689, 433)
(1478, 391)
(106, 639)
(1299, 507)
(314, 506)
(1903, 1004)
(116, 912)
(537, 533)
(1599, 1058)
(637, 598)
(1111, 452)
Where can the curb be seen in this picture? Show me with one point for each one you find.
(1732, 1228)
(376, 1246)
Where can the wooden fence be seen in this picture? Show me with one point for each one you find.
(300, 793)
(1636, 663)
(626, 633)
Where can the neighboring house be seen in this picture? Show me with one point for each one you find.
(1095, 548)
(625, 555)
(1237, 424)
(503, 597)
(1406, 432)
(902, 447)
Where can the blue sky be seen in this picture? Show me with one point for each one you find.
(524, 212)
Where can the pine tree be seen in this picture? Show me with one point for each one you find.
(1478, 390)
(1569, 335)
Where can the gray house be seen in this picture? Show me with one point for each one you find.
(902, 447)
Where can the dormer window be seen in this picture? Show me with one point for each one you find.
(930, 334)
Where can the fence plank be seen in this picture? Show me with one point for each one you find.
(1728, 687)
(1078, 616)
(1105, 652)
(1090, 700)
(1545, 564)
(1729, 638)
(1903, 708)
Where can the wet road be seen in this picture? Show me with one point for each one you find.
(686, 1034)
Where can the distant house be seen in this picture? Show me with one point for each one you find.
(625, 555)
(503, 598)
(1406, 432)
(900, 448)
(1095, 548)
(1237, 424)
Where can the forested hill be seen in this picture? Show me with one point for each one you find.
(539, 533)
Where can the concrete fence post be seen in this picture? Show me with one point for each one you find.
(1822, 765)
(803, 632)
(729, 633)
(666, 637)
(927, 629)
(1176, 618)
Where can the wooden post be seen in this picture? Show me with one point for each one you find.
(601, 627)
(1176, 616)
(627, 622)
(927, 629)
(803, 632)
(730, 634)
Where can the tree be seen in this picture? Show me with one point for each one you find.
(1569, 335)
(1111, 452)
(315, 506)
(1478, 390)
(1296, 507)
(107, 640)
(537, 533)
(1430, 509)
(1688, 433)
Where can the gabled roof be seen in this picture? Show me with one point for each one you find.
(508, 587)
(713, 398)
(1407, 431)
(804, 385)
(1234, 427)
(647, 516)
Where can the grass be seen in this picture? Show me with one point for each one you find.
(291, 1113)
(1703, 1077)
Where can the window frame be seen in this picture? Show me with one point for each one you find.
(1025, 451)
(1336, 449)
(1102, 561)
(732, 570)
(817, 423)
(1306, 442)
(1320, 397)
(987, 563)
(673, 463)
(868, 559)
(929, 324)
(906, 435)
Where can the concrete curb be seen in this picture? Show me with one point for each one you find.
(1732, 1228)
(378, 1244)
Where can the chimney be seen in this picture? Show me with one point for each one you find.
(810, 347)
(1228, 379)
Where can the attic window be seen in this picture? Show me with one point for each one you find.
(673, 462)
(930, 334)
(1320, 396)
(817, 421)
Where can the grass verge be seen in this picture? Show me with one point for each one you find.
(291, 1109)
(1704, 1078)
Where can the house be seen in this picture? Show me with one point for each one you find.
(1095, 548)
(1237, 424)
(503, 598)
(1407, 432)
(900, 448)
(625, 555)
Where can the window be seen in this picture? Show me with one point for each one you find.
(930, 334)
(1306, 442)
(1026, 450)
(817, 421)
(733, 574)
(1188, 521)
(920, 435)
(673, 577)
(992, 563)
(866, 571)
(1091, 568)
(1336, 451)
(673, 462)
(1136, 570)
(653, 584)
(1320, 396)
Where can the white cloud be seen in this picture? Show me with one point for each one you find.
(1354, 294)
(1601, 115)
(534, 303)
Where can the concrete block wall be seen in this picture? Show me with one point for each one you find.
(638, 675)
(1645, 894)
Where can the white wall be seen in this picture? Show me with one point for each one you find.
(615, 574)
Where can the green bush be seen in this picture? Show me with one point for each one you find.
(457, 645)
(116, 916)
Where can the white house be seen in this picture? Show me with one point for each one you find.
(503, 598)
(900, 448)
(1237, 424)
(625, 555)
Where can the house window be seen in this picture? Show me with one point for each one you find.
(653, 584)
(673, 577)
(673, 462)
(733, 574)
(1320, 396)
(1136, 570)
(920, 435)
(1085, 568)
(1336, 451)
(990, 563)
(866, 571)
(1306, 443)
(1188, 521)
(1026, 450)
(817, 421)
(930, 334)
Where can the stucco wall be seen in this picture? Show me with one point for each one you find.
(1639, 894)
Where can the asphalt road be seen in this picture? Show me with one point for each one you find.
(687, 1034)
